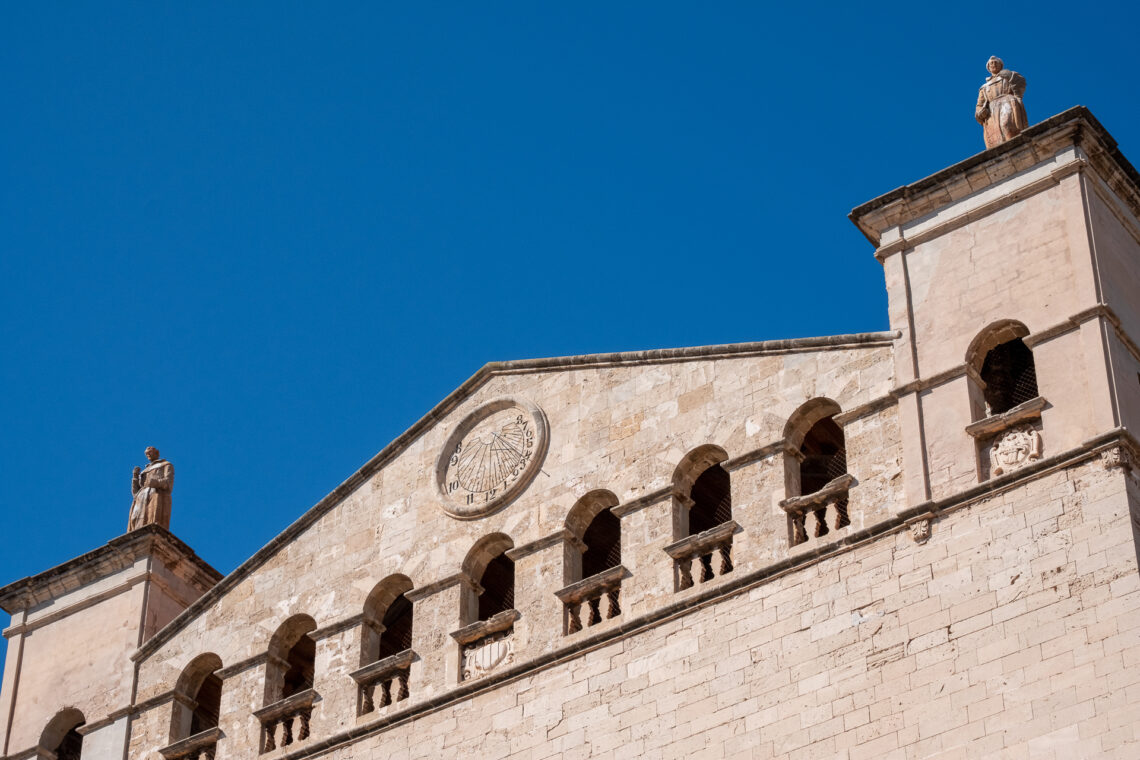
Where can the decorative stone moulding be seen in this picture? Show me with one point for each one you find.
(706, 548)
(201, 746)
(298, 707)
(832, 496)
(389, 676)
(1116, 457)
(600, 594)
(491, 457)
(486, 645)
(920, 529)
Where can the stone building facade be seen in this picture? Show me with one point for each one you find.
(913, 544)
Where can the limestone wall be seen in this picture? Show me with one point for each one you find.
(1013, 632)
(621, 428)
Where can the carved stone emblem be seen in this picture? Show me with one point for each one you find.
(1014, 449)
(490, 457)
(920, 530)
(487, 654)
(1115, 457)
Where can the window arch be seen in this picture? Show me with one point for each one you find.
(815, 469)
(197, 697)
(292, 659)
(1004, 365)
(61, 735)
(598, 534)
(388, 618)
(702, 492)
(489, 567)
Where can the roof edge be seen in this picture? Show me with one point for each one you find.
(15, 596)
(453, 399)
(1079, 115)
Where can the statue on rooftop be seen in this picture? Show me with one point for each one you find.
(151, 486)
(1000, 110)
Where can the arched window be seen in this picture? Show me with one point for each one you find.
(597, 534)
(815, 470)
(386, 645)
(388, 617)
(292, 656)
(702, 517)
(62, 737)
(603, 544)
(1010, 376)
(593, 568)
(489, 567)
(702, 492)
(290, 673)
(197, 697)
(1004, 365)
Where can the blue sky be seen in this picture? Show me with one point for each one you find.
(267, 238)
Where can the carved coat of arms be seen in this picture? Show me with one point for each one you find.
(1014, 449)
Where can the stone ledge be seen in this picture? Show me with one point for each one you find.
(821, 498)
(603, 581)
(997, 423)
(481, 628)
(379, 670)
(703, 542)
(185, 747)
(284, 707)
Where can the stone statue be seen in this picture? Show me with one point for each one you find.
(1000, 110)
(151, 486)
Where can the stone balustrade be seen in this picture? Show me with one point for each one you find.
(599, 594)
(831, 498)
(284, 714)
(710, 549)
(388, 676)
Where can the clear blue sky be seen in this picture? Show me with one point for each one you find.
(267, 238)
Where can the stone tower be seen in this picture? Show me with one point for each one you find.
(69, 683)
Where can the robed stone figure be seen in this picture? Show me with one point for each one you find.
(1000, 110)
(151, 486)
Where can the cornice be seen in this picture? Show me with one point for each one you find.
(116, 555)
(1035, 146)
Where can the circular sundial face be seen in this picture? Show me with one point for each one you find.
(491, 457)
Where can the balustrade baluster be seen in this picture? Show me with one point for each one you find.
(575, 618)
(303, 733)
(286, 730)
(368, 692)
(615, 607)
(706, 568)
(403, 693)
(725, 557)
(821, 522)
(841, 518)
(595, 610)
(799, 530)
(386, 692)
(685, 567)
(270, 732)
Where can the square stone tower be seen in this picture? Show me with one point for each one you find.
(69, 683)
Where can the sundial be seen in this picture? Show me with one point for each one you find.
(491, 457)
